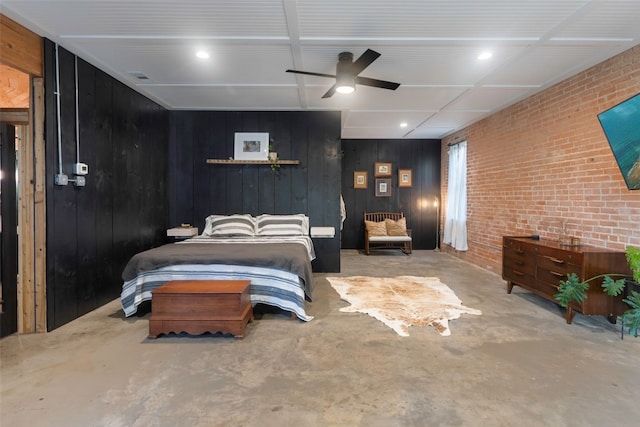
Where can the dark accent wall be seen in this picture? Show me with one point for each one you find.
(422, 156)
(198, 189)
(92, 231)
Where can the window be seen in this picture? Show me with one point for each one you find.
(455, 226)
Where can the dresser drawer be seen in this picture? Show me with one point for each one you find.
(557, 267)
(520, 266)
(548, 289)
(551, 277)
(568, 256)
(519, 278)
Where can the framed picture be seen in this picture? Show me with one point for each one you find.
(360, 179)
(383, 187)
(251, 146)
(405, 178)
(383, 169)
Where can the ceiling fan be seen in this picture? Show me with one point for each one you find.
(347, 73)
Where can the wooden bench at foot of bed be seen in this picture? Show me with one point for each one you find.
(199, 306)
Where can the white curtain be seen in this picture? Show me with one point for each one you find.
(455, 226)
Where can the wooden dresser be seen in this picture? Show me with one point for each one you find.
(539, 265)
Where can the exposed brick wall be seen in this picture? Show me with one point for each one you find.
(545, 160)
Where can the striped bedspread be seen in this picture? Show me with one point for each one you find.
(280, 271)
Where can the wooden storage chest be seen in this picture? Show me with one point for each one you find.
(199, 306)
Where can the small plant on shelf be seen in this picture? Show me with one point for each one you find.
(273, 159)
(613, 284)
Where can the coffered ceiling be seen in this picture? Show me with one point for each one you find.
(431, 47)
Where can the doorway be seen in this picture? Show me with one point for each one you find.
(8, 231)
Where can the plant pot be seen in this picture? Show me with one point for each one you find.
(630, 285)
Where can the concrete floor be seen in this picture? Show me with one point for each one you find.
(517, 364)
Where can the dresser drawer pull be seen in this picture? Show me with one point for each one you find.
(518, 273)
(556, 260)
(555, 273)
(518, 262)
(519, 251)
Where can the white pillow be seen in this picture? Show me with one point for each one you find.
(282, 225)
(230, 225)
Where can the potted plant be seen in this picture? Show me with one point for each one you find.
(613, 284)
(273, 159)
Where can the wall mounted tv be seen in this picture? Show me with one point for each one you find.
(621, 126)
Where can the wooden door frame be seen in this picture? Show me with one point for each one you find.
(23, 50)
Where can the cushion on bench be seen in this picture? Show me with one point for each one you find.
(389, 238)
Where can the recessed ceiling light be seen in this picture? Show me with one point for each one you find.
(403, 125)
(485, 55)
(202, 54)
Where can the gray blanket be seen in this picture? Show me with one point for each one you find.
(291, 257)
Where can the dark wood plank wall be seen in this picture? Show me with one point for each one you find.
(419, 155)
(198, 189)
(92, 231)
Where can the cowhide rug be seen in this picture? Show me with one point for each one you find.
(403, 301)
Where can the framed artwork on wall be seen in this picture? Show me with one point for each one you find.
(360, 179)
(405, 178)
(251, 146)
(382, 169)
(383, 187)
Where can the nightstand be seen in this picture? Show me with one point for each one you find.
(182, 232)
(323, 232)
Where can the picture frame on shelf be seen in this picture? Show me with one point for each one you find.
(383, 187)
(405, 178)
(360, 179)
(382, 169)
(251, 146)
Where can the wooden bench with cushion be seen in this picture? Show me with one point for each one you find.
(386, 230)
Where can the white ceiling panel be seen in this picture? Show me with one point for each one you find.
(386, 119)
(427, 132)
(374, 133)
(227, 64)
(412, 19)
(558, 60)
(227, 97)
(367, 98)
(486, 99)
(604, 19)
(453, 119)
(149, 19)
(430, 47)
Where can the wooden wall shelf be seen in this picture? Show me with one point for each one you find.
(251, 162)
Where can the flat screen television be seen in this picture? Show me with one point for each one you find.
(621, 126)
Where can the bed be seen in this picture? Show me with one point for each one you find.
(274, 252)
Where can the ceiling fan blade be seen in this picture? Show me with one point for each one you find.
(311, 73)
(364, 61)
(330, 92)
(377, 83)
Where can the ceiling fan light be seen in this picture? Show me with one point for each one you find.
(345, 82)
(345, 88)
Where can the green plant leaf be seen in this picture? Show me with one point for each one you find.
(633, 258)
(613, 287)
(572, 289)
(631, 318)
